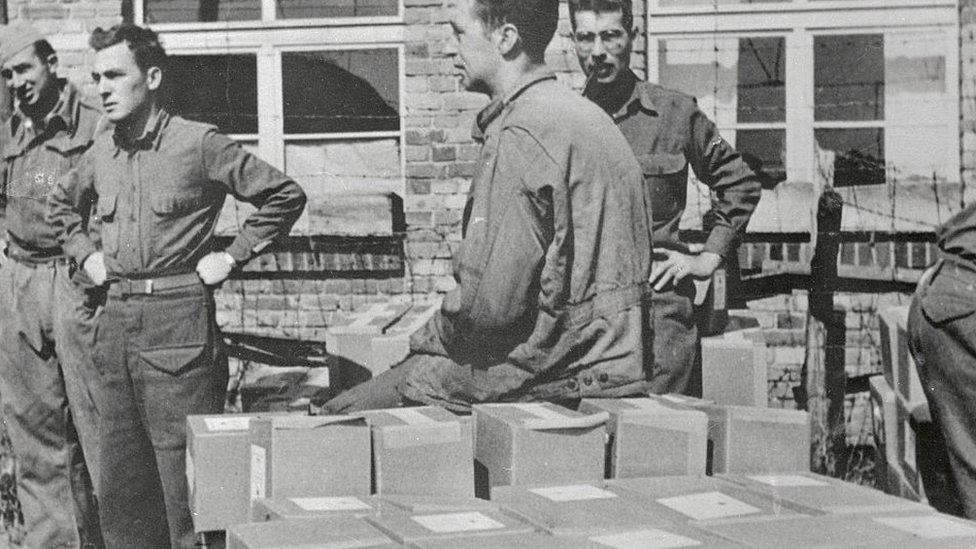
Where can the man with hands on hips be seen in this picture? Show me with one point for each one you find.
(157, 184)
(668, 133)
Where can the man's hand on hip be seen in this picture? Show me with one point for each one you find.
(674, 266)
(215, 267)
(94, 267)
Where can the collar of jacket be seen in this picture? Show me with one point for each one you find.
(61, 118)
(488, 114)
(150, 137)
(640, 98)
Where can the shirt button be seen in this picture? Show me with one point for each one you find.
(604, 378)
(587, 380)
(572, 385)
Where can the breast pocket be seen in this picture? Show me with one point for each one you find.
(666, 175)
(105, 210)
(177, 203)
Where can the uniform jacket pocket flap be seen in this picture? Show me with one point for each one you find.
(175, 359)
(662, 164)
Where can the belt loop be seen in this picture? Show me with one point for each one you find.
(149, 286)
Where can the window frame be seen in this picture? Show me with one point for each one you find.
(800, 21)
(268, 20)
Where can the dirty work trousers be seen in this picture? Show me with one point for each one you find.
(158, 353)
(45, 371)
(942, 339)
(677, 348)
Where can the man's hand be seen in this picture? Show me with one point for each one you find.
(94, 267)
(215, 267)
(674, 266)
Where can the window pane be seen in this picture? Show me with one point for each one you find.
(303, 9)
(849, 77)
(765, 150)
(735, 80)
(762, 80)
(333, 173)
(341, 91)
(194, 11)
(854, 156)
(218, 89)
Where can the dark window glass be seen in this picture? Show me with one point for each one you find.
(197, 11)
(765, 151)
(762, 80)
(849, 77)
(858, 155)
(218, 89)
(305, 9)
(341, 91)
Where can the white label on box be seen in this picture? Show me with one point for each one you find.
(457, 522)
(258, 475)
(929, 526)
(230, 423)
(410, 417)
(331, 504)
(646, 404)
(540, 411)
(577, 492)
(709, 505)
(788, 481)
(645, 539)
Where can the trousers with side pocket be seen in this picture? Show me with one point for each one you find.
(45, 369)
(677, 366)
(159, 358)
(942, 340)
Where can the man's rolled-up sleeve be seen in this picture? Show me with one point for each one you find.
(279, 199)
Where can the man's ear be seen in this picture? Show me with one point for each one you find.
(507, 40)
(154, 78)
(52, 62)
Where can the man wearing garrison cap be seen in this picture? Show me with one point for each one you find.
(44, 337)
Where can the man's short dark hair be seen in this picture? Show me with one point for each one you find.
(625, 7)
(143, 43)
(536, 21)
(43, 50)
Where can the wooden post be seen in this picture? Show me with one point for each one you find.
(823, 378)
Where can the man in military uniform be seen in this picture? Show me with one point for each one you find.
(45, 357)
(667, 132)
(157, 184)
(552, 270)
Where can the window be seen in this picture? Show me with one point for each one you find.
(155, 12)
(857, 94)
(311, 86)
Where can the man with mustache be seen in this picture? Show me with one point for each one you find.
(45, 360)
(552, 271)
(668, 133)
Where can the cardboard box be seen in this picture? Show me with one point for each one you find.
(218, 469)
(650, 438)
(329, 533)
(422, 451)
(318, 507)
(734, 368)
(822, 532)
(669, 537)
(744, 439)
(535, 443)
(703, 499)
(897, 439)
(917, 530)
(377, 336)
(309, 456)
(436, 504)
(896, 361)
(416, 527)
(577, 509)
(825, 494)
